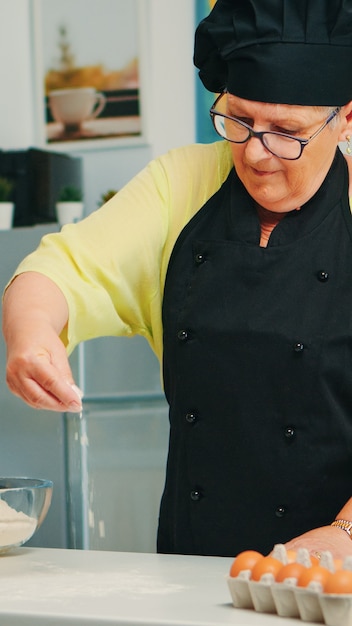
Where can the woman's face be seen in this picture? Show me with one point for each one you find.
(277, 184)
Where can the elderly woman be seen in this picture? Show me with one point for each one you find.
(234, 260)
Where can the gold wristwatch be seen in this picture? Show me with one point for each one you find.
(344, 525)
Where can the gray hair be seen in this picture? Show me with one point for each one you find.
(327, 110)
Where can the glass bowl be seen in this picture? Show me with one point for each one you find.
(24, 503)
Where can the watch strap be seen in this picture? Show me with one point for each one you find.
(344, 525)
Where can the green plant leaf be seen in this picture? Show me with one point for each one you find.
(70, 193)
(6, 187)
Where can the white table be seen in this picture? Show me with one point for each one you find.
(52, 587)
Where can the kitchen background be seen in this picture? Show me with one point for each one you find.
(107, 468)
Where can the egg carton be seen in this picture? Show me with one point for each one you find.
(285, 599)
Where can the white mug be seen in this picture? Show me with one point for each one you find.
(73, 106)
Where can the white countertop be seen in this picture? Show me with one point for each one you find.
(72, 587)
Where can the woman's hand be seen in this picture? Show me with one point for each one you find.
(38, 371)
(329, 538)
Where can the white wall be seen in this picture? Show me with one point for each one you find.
(169, 32)
(172, 73)
(16, 113)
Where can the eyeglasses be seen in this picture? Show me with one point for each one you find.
(279, 144)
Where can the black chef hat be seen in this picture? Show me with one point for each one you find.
(283, 51)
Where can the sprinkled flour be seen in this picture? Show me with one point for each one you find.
(15, 526)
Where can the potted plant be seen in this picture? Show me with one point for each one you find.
(7, 205)
(69, 206)
(107, 196)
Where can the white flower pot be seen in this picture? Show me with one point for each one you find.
(69, 212)
(7, 210)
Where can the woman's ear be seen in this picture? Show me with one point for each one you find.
(346, 118)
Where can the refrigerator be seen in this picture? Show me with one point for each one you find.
(107, 464)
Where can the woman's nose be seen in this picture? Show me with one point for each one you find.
(255, 150)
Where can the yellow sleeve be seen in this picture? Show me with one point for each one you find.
(111, 266)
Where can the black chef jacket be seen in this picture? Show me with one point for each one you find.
(257, 371)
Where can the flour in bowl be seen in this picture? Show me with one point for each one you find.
(15, 526)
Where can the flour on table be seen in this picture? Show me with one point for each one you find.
(15, 526)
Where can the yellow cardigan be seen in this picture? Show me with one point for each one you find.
(111, 266)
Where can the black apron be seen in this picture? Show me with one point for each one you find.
(257, 372)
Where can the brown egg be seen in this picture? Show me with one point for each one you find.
(244, 561)
(314, 573)
(266, 565)
(291, 555)
(291, 570)
(339, 582)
